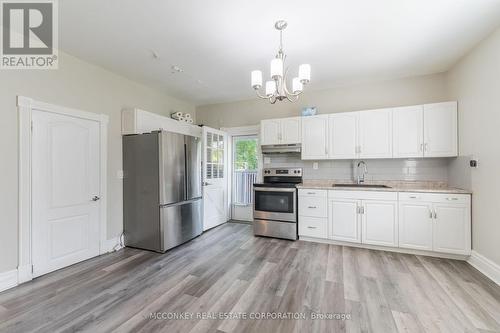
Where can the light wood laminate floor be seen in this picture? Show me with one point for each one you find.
(228, 270)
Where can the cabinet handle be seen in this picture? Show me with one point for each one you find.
(311, 192)
(430, 214)
(422, 147)
(309, 227)
(413, 197)
(435, 215)
(312, 207)
(425, 146)
(450, 199)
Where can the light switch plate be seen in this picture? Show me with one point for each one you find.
(315, 165)
(119, 174)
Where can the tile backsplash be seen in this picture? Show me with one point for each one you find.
(429, 169)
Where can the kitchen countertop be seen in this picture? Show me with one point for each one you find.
(394, 186)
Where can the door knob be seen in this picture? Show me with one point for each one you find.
(96, 198)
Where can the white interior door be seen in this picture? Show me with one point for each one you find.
(65, 190)
(215, 203)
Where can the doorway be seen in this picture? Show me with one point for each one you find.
(245, 172)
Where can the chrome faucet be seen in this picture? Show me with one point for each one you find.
(361, 178)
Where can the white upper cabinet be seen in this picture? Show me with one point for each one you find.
(408, 131)
(291, 130)
(280, 131)
(375, 134)
(314, 137)
(440, 129)
(342, 133)
(270, 132)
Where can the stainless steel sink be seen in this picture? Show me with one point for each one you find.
(361, 185)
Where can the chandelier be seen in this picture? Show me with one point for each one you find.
(276, 89)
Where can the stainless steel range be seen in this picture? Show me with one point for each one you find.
(275, 203)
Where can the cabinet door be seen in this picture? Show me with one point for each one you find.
(378, 223)
(270, 132)
(408, 131)
(415, 225)
(452, 228)
(291, 130)
(342, 133)
(440, 129)
(344, 221)
(375, 133)
(314, 137)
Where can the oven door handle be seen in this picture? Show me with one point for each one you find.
(275, 189)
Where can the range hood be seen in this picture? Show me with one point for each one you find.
(281, 149)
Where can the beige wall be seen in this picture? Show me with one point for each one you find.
(408, 91)
(77, 85)
(475, 83)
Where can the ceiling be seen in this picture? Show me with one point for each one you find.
(218, 42)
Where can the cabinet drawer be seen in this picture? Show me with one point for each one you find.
(435, 197)
(313, 193)
(316, 227)
(313, 206)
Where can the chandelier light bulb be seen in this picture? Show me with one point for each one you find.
(270, 88)
(305, 73)
(297, 86)
(256, 79)
(276, 68)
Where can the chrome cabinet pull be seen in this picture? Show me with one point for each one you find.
(450, 199)
(309, 227)
(435, 215)
(312, 207)
(311, 192)
(430, 214)
(413, 197)
(425, 146)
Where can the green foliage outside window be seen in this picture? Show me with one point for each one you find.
(246, 154)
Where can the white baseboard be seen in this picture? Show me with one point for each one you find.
(485, 266)
(8, 280)
(111, 245)
(24, 274)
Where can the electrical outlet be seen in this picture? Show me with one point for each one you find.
(473, 163)
(315, 165)
(119, 174)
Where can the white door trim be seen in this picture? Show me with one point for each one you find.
(25, 106)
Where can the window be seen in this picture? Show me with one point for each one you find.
(215, 156)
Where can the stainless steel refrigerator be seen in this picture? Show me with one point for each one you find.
(162, 193)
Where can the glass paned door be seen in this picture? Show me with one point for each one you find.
(244, 175)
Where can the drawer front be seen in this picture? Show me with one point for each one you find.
(362, 195)
(313, 193)
(316, 227)
(435, 197)
(313, 206)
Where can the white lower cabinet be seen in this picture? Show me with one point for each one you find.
(415, 225)
(435, 222)
(452, 228)
(344, 220)
(420, 221)
(363, 217)
(379, 223)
